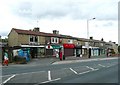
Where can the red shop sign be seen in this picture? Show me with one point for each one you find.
(69, 45)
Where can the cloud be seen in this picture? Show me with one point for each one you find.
(75, 9)
(61, 15)
(108, 24)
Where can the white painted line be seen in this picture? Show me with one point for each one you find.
(101, 65)
(108, 66)
(51, 80)
(95, 69)
(30, 73)
(73, 71)
(88, 71)
(9, 79)
(84, 72)
(90, 68)
(49, 76)
(23, 73)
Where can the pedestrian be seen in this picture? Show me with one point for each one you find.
(6, 59)
(60, 55)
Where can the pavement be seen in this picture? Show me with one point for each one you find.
(48, 61)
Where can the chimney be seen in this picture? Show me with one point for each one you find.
(114, 42)
(55, 32)
(91, 38)
(36, 29)
(102, 39)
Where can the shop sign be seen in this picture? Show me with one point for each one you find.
(56, 46)
(69, 45)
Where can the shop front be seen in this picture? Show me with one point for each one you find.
(56, 50)
(68, 49)
(84, 50)
(78, 50)
(95, 51)
(53, 50)
(35, 51)
(49, 51)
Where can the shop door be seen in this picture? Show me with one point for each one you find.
(33, 52)
(49, 51)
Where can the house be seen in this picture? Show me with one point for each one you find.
(39, 43)
(42, 44)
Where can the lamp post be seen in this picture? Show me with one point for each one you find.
(88, 36)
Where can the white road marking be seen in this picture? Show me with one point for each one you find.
(108, 66)
(101, 65)
(90, 68)
(84, 72)
(51, 80)
(49, 76)
(73, 71)
(8, 79)
(22, 73)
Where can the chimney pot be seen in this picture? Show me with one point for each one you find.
(36, 29)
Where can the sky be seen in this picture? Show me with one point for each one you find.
(68, 16)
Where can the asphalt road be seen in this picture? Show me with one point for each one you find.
(100, 71)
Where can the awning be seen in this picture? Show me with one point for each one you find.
(32, 46)
(56, 46)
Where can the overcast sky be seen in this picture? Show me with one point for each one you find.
(68, 16)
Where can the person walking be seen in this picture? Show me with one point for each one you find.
(6, 59)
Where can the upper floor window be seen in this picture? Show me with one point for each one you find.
(70, 41)
(33, 38)
(54, 40)
(36, 39)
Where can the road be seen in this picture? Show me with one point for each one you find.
(99, 71)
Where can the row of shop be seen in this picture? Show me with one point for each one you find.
(67, 50)
(52, 50)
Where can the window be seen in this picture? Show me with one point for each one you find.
(70, 41)
(31, 38)
(56, 40)
(36, 39)
(53, 40)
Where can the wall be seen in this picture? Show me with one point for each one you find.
(13, 38)
(23, 39)
(41, 39)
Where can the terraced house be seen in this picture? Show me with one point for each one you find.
(42, 44)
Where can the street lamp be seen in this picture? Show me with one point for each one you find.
(88, 35)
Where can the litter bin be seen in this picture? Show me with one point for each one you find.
(63, 57)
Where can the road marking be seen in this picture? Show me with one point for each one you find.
(9, 79)
(73, 71)
(84, 72)
(101, 65)
(49, 76)
(51, 80)
(22, 73)
(90, 68)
